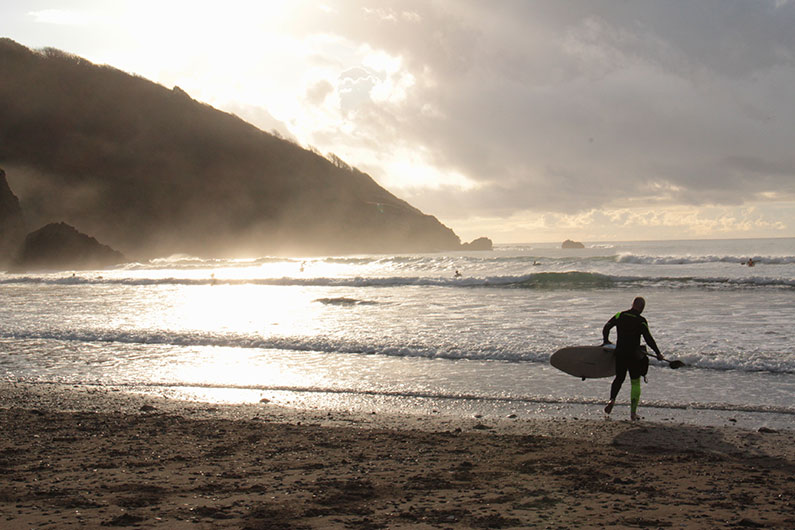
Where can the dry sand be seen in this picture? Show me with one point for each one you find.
(81, 457)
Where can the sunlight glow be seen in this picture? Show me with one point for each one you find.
(63, 17)
(237, 300)
(243, 368)
(410, 170)
(238, 308)
(395, 85)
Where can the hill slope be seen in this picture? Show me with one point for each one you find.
(150, 171)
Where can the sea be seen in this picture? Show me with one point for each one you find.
(453, 333)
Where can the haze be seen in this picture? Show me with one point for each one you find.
(523, 121)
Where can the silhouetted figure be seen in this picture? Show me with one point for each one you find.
(631, 326)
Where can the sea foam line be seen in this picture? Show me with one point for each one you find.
(433, 261)
(772, 363)
(541, 280)
(641, 259)
(447, 396)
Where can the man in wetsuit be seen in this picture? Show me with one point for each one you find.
(631, 326)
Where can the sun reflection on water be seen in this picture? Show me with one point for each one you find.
(244, 368)
(245, 309)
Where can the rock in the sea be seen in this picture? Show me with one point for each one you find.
(59, 246)
(12, 224)
(481, 243)
(572, 244)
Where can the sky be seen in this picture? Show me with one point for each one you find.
(519, 120)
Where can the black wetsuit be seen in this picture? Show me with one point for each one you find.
(631, 326)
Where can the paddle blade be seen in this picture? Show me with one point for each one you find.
(676, 364)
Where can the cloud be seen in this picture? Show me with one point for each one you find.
(563, 106)
(505, 110)
(317, 93)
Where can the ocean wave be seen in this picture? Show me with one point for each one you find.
(640, 259)
(495, 260)
(541, 280)
(783, 363)
(434, 260)
(566, 280)
(187, 262)
(423, 265)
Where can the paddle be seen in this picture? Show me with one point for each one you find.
(673, 364)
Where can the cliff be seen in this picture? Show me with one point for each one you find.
(151, 171)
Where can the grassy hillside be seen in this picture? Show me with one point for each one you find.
(150, 171)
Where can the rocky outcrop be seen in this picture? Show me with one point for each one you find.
(572, 244)
(12, 224)
(481, 243)
(59, 246)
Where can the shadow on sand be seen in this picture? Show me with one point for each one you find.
(759, 447)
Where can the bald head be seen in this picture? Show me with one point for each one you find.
(638, 304)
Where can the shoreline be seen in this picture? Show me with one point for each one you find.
(79, 456)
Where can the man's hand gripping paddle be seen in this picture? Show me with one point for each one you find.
(673, 364)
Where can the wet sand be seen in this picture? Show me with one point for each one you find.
(83, 457)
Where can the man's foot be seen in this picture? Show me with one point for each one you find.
(609, 407)
(634, 416)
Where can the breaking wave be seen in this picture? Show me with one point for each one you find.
(694, 260)
(491, 351)
(541, 280)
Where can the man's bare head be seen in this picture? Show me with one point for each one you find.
(638, 304)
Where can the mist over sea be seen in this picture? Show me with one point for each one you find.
(403, 333)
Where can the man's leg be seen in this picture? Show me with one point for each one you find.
(635, 368)
(621, 374)
(634, 398)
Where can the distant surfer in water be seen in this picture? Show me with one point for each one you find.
(631, 326)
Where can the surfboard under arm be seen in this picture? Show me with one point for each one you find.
(587, 362)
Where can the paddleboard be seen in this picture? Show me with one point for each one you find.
(587, 362)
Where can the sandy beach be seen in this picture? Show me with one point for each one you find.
(94, 457)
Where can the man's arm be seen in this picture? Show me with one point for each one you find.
(650, 340)
(606, 330)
